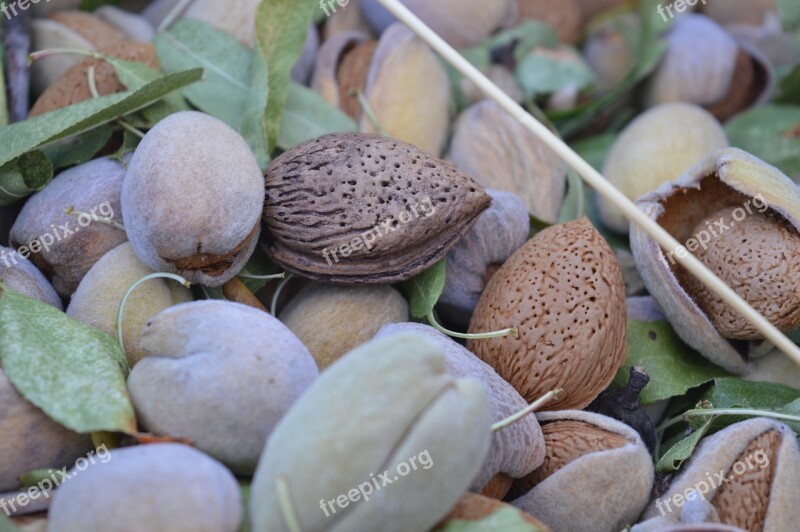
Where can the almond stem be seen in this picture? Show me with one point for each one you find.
(513, 331)
(276, 296)
(287, 507)
(533, 407)
(370, 112)
(699, 412)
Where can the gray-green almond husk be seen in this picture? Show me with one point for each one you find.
(727, 178)
(385, 402)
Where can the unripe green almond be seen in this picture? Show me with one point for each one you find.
(97, 299)
(19, 274)
(220, 374)
(157, 487)
(192, 199)
(384, 403)
(331, 320)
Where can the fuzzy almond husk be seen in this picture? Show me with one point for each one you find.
(21, 275)
(364, 402)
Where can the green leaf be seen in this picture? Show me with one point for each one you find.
(594, 150)
(31, 134)
(258, 264)
(23, 176)
(673, 459)
(78, 149)
(424, 290)
(308, 116)
(574, 205)
(771, 133)
(225, 61)
(528, 36)
(507, 519)
(790, 14)
(74, 372)
(738, 393)
(252, 127)
(6, 525)
(540, 73)
(281, 29)
(672, 365)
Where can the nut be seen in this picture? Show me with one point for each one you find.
(704, 65)
(564, 16)
(755, 257)
(32, 440)
(517, 449)
(100, 292)
(322, 317)
(751, 12)
(727, 178)
(606, 52)
(500, 76)
(75, 242)
(135, 27)
(192, 203)
(361, 208)
(194, 492)
(759, 458)
(658, 146)
(220, 374)
(473, 507)
(591, 461)
(563, 290)
(498, 152)
(21, 275)
(73, 86)
(364, 402)
(345, 20)
(499, 232)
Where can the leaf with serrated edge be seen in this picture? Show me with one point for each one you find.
(74, 372)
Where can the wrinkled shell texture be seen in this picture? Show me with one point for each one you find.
(220, 374)
(164, 486)
(364, 402)
(600, 490)
(99, 294)
(332, 320)
(563, 290)
(39, 442)
(400, 208)
(84, 187)
(500, 230)
(21, 275)
(516, 450)
(499, 153)
(760, 494)
(659, 146)
(192, 203)
(757, 257)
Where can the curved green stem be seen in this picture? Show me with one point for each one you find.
(513, 331)
(370, 112)
(533, 407)
(281, 275)
(92, 80)
(273, 308)
(121, 309)
(49, 52)
(699, 412)
(287, 507)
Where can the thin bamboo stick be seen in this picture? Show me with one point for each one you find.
(595, 180)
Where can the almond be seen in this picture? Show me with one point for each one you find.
(361, 208)
(473, 507)
(563, 289)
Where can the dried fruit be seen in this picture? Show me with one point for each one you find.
(658, 146)
(30, 439)
(563, 290)
(365, 405)
(473, 507)
(727, 178)
(100, 292)
(64, 246)
(323, 317)
(498, 152)
(19, 274)
(220, 374)
(192, 203)
(73, 86)
(498, 233)
(361, 208)
(758, 460)
(517, 449)
(591, 462)
(194, 492)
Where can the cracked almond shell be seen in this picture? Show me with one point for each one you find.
(394, 209)
(727, 178)
(192, 202)
(563, 290)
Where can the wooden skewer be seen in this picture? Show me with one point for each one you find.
(595, 180)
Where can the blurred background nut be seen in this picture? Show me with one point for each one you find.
(474, 507)
(658, 146)
(499, 153)
(74, 245)
(597, 474)
(500, 76)
(134, 26)
(607, 53)
(100, 292)
(704, 65)
(332, 320)
(19, 274)
(499, 232)
(563, 290)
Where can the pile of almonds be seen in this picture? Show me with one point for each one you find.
(352, 331)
